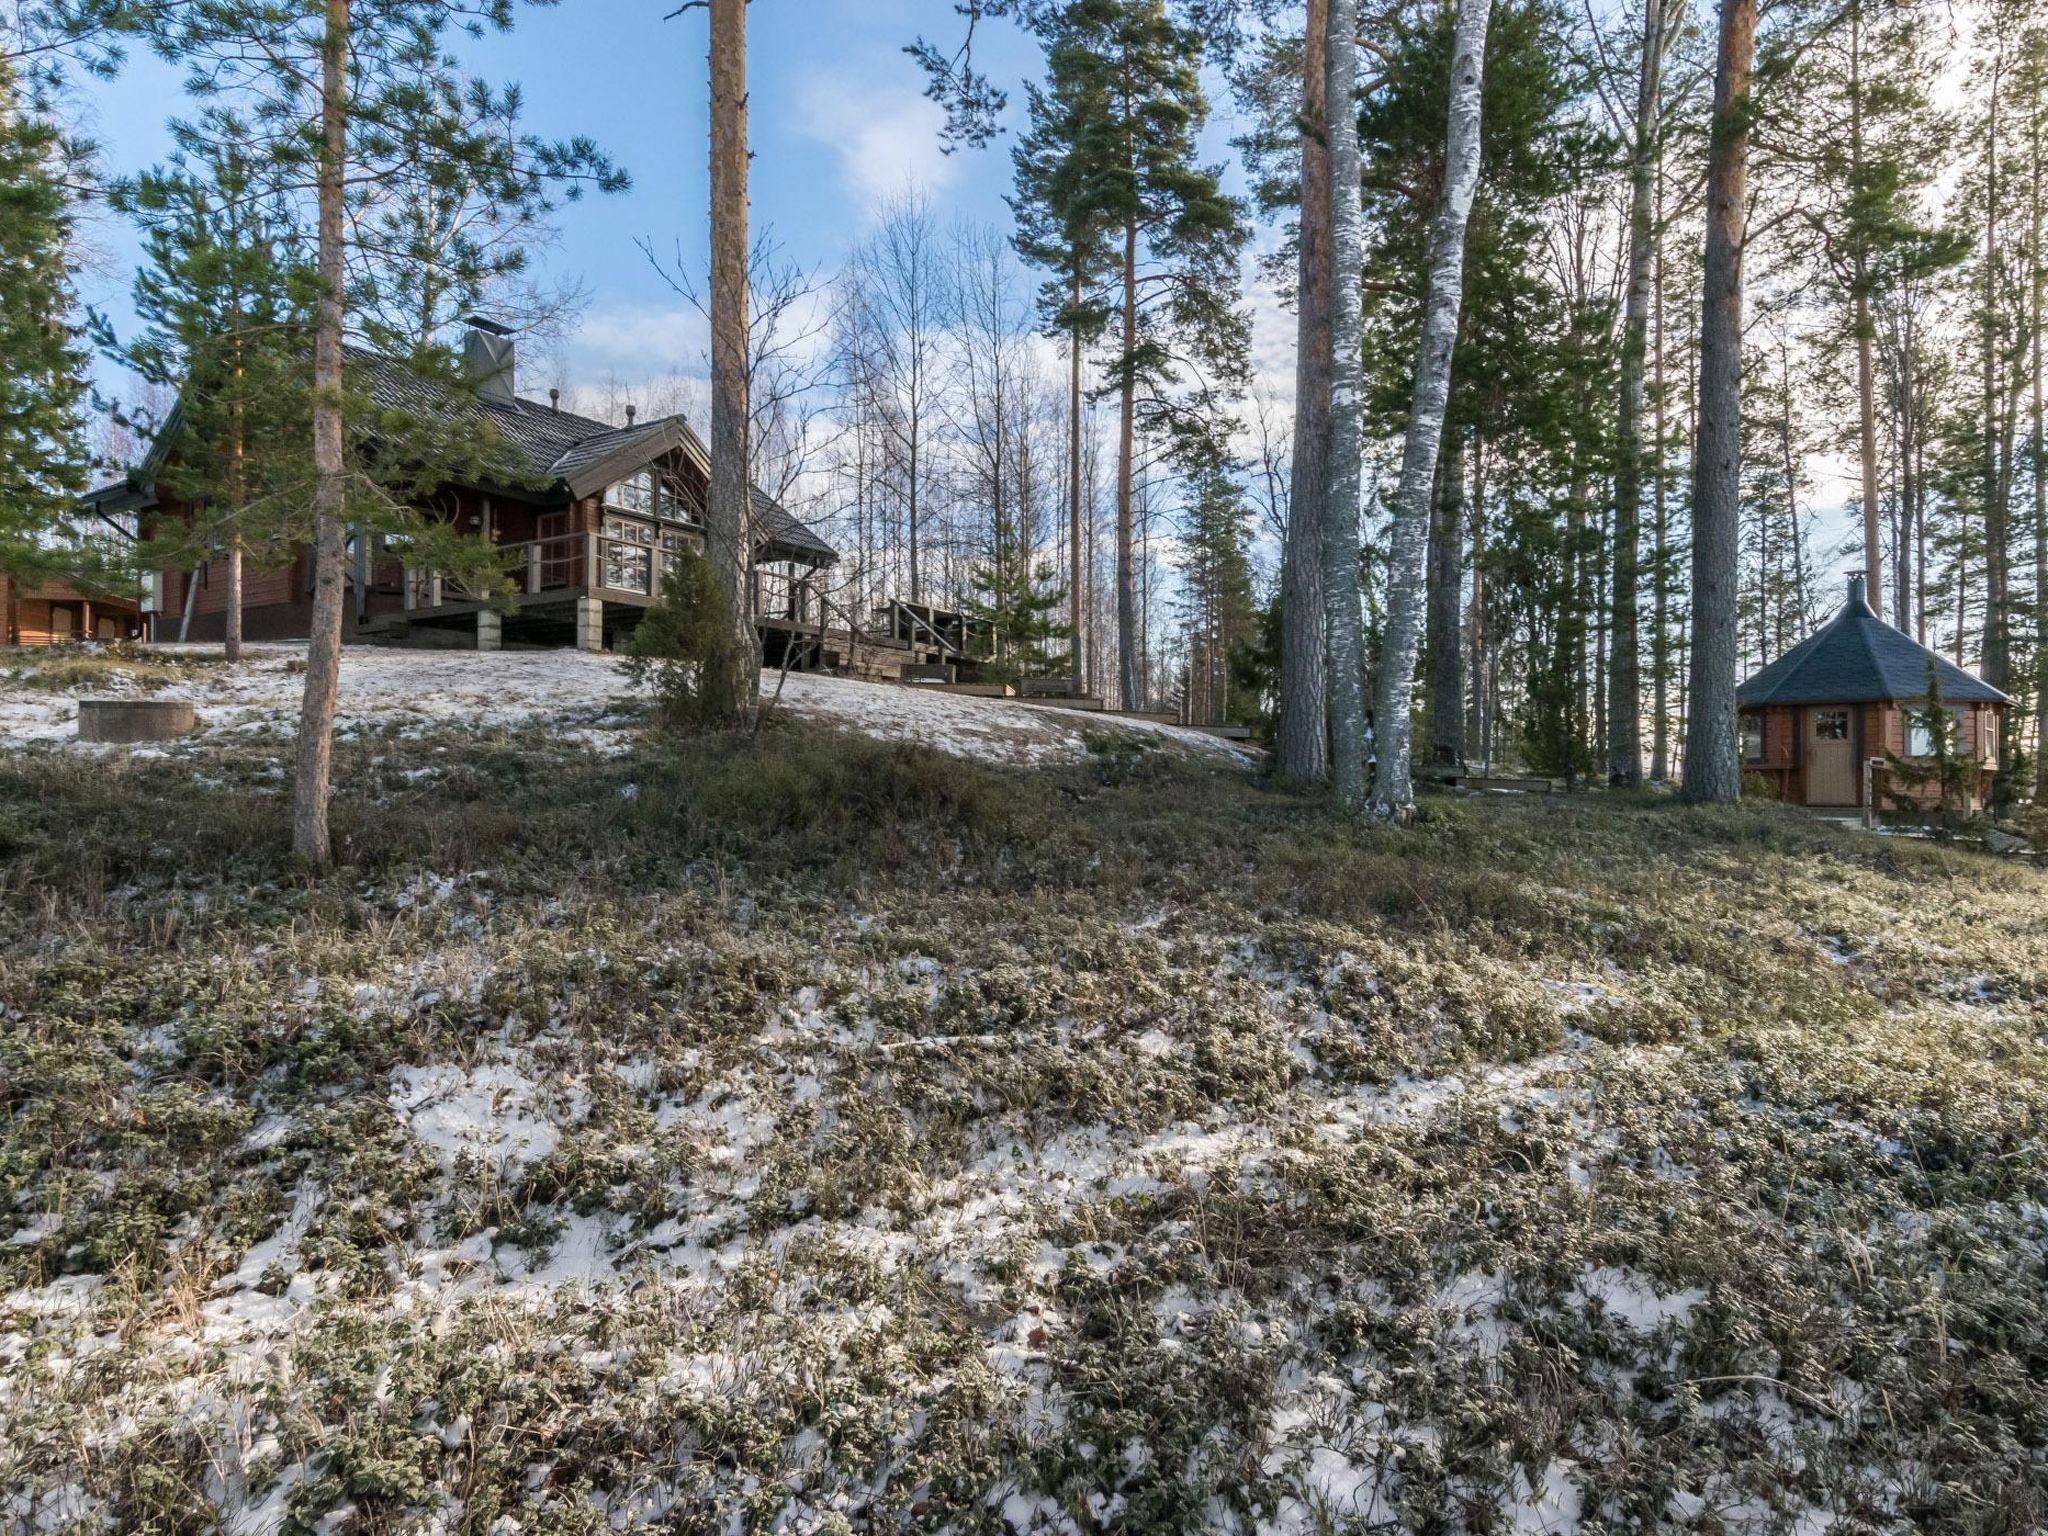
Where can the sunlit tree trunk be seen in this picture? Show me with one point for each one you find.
(1303, 744)
(1713, 767)
(1393, 791)
(727, 514)
(310, 837)
(1866, 370)
(1660, 623)
(1130, 674)
(1347, 424)
(2038, 272)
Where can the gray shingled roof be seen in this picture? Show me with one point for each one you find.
(1857, 658)
(545, 446)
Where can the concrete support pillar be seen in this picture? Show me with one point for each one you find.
(490, 631)
(589, 624)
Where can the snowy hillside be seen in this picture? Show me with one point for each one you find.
(576, 694)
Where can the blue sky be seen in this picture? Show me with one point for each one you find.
(838, 122)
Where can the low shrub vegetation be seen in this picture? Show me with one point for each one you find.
(810, 1134)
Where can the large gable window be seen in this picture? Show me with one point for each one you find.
(635, 493)
(670, 504)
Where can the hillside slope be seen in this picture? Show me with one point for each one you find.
(819, 1134)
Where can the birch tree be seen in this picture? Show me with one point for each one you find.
(1348, 731)
(1393, 788)
(1624, 675)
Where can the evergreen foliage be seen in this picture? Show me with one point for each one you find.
(43, 462)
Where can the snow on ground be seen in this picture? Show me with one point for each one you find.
(584, 696)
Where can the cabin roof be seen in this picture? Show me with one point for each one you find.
(1857, 658)
(536, 445)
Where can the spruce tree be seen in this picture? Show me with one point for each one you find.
(43, 463)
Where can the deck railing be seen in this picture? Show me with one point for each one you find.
(600, 564)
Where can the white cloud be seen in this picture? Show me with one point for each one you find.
(884, 132)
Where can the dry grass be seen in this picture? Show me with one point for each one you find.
(918, 1146)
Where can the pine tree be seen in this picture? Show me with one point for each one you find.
(1061, 228)
(335, 88)
(1713, 767)
(1216, 609)
(223, 294)
(43, 464)
(1119, 155)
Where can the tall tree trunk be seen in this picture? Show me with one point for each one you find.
(1348, 735)
(1995, 657)
(1074, 487)
(1393, 791)
(727, 520)
(1475, 622)
(1866, 370)
(1446, 590)
(2038, 262)
(310, 837)
(1624, 672)
(1660, 603)
(1130, 676)
(1303, 745)
(1713, 764)
(238, 496)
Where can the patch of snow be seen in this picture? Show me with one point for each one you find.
(487, 1112)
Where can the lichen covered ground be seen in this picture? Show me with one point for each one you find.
(818, 1134)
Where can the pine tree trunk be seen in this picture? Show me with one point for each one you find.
(1475, 622)
(1074, 489)
(1303, 751)
(1130, 678)
(1348, 734)
(323, 655)
(1995, 657)
(1660, 623)
(1446, 583)
(1866, 369)
(2039, 275)
(1393, 791)
(232, 615)
(1713, 765)
(727, 514)
(1624, 672)
(238, 496)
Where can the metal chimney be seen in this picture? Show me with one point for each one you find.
(1858, 591)
(631, 411)
(490, 358)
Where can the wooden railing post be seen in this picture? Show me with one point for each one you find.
(593, 576)
(412, 588)
(533, 567)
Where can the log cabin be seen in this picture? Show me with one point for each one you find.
(54, 612)
(1817, 722)
(587, 517)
